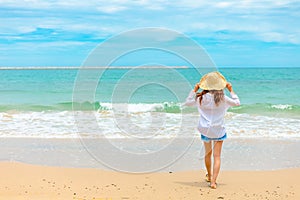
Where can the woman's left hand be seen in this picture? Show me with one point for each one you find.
(196, 88)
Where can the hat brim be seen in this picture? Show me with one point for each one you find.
(213, 81)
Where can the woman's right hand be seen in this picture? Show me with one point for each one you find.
(229, 87)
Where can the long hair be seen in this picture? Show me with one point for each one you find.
(218, 95)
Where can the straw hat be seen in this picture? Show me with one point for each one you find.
(212, 81)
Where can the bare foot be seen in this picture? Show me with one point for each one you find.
(207, 178)
(213, 185)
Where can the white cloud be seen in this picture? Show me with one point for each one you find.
(156, 4)
(25, 4)
(224, 4)
(111, 9)
(261, 4)
(154, 34)
(281, 38)
(105, 18)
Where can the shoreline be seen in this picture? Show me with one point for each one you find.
(24, 181)
(237, 154)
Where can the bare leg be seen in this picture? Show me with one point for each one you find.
(208, 152)
(217, 162)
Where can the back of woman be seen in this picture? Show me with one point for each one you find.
(212, 105)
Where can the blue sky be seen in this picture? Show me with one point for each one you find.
(234, 33)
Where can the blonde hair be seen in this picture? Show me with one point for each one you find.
(218, 95)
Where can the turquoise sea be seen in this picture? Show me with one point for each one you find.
(38, 102)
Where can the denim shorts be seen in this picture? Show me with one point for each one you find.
(206, 139)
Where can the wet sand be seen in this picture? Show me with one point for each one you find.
(237, 154)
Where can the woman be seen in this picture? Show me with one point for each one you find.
(212, 105)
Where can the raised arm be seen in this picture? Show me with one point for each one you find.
(234, 100)
(190, 100)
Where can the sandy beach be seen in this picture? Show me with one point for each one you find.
(24, 181)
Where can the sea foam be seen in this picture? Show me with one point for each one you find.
(143, 124)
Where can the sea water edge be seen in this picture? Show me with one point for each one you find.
(42, 109)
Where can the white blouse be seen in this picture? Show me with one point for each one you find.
(211, 122)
